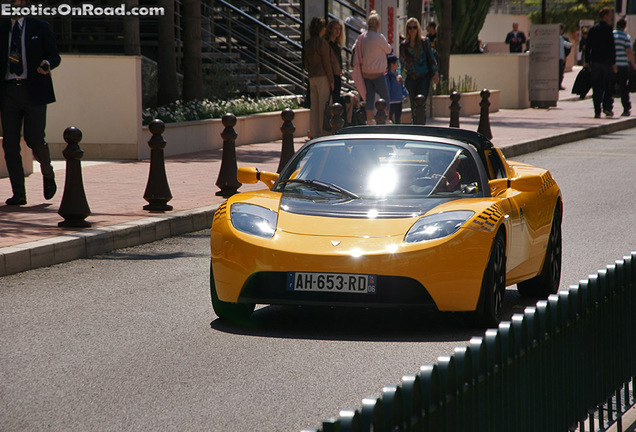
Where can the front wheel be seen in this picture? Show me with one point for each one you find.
(493, 286)
(547, 282)
(233, 312)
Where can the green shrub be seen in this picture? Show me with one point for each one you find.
(465, 84)
(206, 109)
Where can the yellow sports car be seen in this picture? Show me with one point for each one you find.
(389, 216)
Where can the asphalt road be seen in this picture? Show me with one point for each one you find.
(123, 341)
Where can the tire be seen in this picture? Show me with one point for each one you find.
(548, 281)
(233, 312)
(493, 286)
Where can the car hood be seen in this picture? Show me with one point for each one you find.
(352, 218)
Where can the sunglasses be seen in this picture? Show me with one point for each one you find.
(412, 27)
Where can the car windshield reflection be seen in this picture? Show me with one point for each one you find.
(380, 168)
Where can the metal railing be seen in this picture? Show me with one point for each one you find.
(565, 364)
(263, 48)
(260, 41)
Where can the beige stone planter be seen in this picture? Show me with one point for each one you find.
(469, 103)
(27, 160)
(194, 136)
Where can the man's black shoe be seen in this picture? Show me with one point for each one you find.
(608, 113)
(16, 200)
(626, 114)
(49, 187)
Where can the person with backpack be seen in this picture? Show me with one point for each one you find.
(418, 62)
(397, 91)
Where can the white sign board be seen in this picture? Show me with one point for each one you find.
(388, 10)
(543, 81)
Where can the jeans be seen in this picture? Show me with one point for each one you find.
(377, 85)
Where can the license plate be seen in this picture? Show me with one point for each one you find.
(332, 282)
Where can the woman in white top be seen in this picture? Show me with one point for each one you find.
(374, 49)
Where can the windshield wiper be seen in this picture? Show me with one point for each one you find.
(321, 185)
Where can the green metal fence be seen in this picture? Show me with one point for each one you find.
(565, 364)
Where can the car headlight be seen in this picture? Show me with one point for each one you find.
(254, 220)
(437, 226)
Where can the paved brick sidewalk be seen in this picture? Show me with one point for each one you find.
(30, 237)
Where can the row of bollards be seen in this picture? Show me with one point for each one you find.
(419, 113)
(74, 206)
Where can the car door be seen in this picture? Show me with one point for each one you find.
(513, 204)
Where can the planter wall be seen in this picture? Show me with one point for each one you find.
(469, 103)
(194, 136)
(100, 95)
(27, 160)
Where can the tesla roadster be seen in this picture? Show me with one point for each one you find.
(389, 216)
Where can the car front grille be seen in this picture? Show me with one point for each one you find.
(391, 291)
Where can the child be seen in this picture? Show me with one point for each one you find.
(397, 91)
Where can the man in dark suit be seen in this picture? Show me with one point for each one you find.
(600, 58)
(28, 52)
(515, 38)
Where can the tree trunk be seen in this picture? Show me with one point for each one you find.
(414, 9)
(167, 89)
(132, 44)
(445, 38)
(192, 64)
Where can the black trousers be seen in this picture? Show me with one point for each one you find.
(602, 94)
(622, 78)
(19, 114)
(395, 112)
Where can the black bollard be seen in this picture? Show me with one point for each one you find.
(74, 207)
(336, 122)
(484, 116)
(420, 110)
(288, 129)
(454, 109)
(157, 190)
(227, 181)
(380, 111)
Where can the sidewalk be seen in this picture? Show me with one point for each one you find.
(30, 237)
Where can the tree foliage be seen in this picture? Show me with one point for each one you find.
(570, 15)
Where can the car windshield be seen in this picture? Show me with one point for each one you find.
(378, 168)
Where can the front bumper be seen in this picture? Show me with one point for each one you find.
(444, 274)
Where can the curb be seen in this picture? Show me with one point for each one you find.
(533, 145)
(55, 250)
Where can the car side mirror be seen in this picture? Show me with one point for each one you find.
(497, 186)
(531, 183)
(252, 175)
(528, 183)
